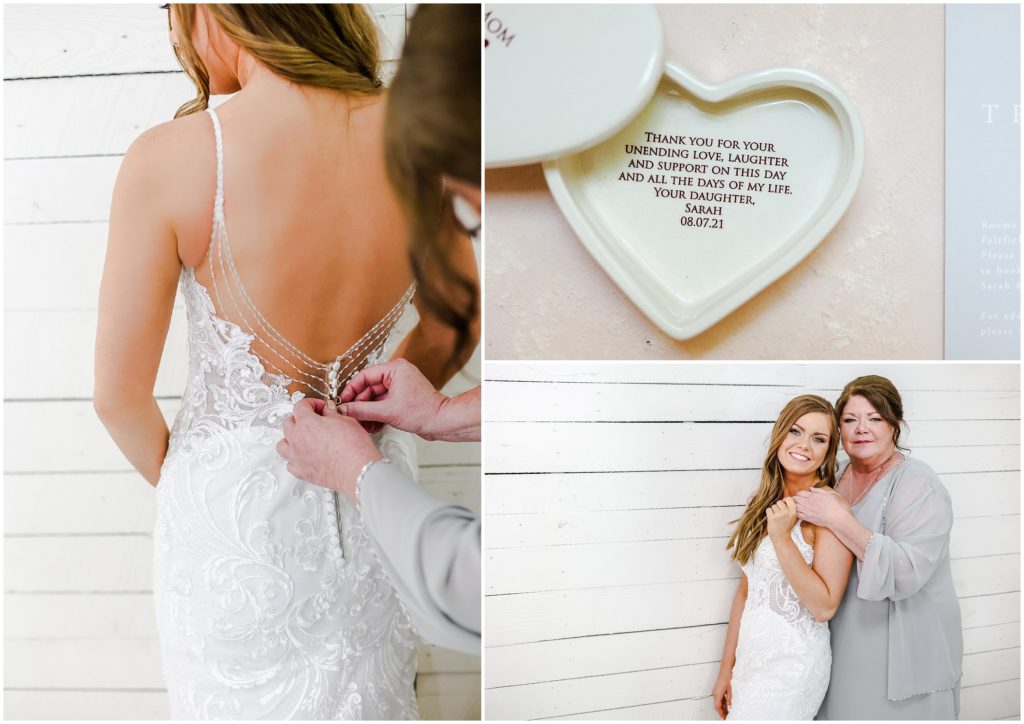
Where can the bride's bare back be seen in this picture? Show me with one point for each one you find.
(314, 229)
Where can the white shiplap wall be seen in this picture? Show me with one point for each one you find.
(608, 491)
(80, 83)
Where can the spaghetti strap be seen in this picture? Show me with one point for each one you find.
(218, 199)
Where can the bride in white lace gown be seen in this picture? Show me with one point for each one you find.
(776, 660)
(270, 602)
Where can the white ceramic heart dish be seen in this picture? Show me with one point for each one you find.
(714, 191)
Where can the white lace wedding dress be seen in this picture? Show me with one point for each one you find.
(270, 602)
(783, 657)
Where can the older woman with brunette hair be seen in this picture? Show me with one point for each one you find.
(897, 642)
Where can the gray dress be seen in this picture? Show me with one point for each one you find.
(430, 551)
(897, 641)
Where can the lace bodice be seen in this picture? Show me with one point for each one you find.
(270, 601)
(768, 587)
(783, 656)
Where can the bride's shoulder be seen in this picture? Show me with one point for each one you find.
(159, 156)
(174, 143)
(166, 177)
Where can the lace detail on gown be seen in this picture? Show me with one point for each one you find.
(783, 657)
(269, 601)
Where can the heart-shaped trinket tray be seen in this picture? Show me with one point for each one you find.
(713, 191)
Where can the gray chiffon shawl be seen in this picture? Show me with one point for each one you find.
(907, 562)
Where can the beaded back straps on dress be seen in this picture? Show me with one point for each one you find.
(277, 353)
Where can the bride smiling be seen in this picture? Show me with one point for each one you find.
(776, 660)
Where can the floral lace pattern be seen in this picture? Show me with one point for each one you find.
(783, 657)
(269, 601)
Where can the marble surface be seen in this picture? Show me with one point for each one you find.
(873, 289)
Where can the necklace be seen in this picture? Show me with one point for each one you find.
(878, 474)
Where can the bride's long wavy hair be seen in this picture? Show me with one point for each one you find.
(327, 45)
(752, 526)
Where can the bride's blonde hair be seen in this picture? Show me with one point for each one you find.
(327, 45)
(752, 526)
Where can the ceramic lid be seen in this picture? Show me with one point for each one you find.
(562, 78)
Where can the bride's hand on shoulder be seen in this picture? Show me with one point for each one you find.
(722, 693)
(781, 517)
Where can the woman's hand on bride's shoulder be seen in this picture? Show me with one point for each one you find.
(821, 506)
(781, 517)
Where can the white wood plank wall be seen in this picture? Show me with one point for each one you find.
(80, 83)
(608, 491)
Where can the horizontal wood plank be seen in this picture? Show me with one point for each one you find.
(449, 706)
(89, 116)
(694, 709)
(545, 616)
(96, 664)
(550, 494)
(600, 655)
(990, 609)
(544, 530)
(61, 365)
(989, 666)
(991, 638)
(59, 190)
(528, 570)
(86, 705)
(971, 536)
(568, 447)
(615, 691)
(50, 40)
(999, 700)
(108, 563)
(53, 266)
(519, 402)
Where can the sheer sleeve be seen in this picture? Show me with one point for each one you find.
(918, 518)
